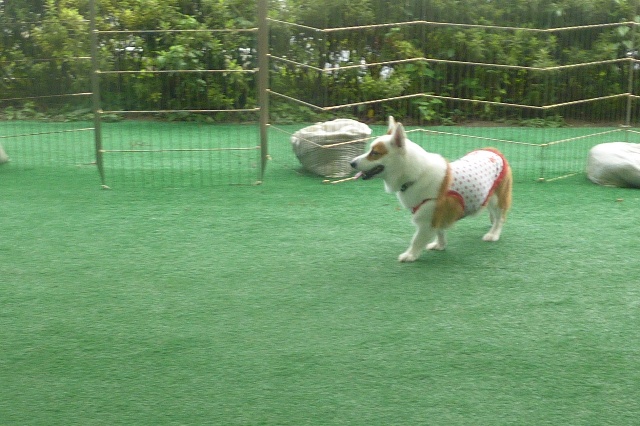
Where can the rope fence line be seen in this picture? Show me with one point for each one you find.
(450, 98)
(553, 179)
(188, 71)
(23, 61)
(441, 133)
(47, 133)
(63, 95)
(13, 22)
(483, 138)
(106, 151)
(159, 31)
(409, 131)
(174, 111)
(576, 138)
(450, 24)
(299, 101)
(448, 61)
(325, 146)
(584, 101)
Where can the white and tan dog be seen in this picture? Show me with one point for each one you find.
(437, 192)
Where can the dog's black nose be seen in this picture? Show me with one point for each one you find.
(354, 164)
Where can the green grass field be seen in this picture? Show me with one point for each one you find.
(283, 304)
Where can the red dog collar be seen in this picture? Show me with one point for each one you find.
(416, 208)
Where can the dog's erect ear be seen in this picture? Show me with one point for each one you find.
(398, 136)
(392, 125)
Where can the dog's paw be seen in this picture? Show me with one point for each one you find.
(435, 246)
(489, 236)
(407, 256)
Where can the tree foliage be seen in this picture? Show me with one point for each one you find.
(44, 52)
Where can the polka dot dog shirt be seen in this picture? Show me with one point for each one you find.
(475, 177)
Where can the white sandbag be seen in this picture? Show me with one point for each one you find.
(4, 158)
(327, 148)
(615, 164)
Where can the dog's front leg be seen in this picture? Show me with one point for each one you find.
(423, 235)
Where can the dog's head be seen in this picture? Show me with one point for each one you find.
(382, 152)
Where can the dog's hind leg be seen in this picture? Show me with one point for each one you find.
(440, 242)
(498, 217)
(498, 206)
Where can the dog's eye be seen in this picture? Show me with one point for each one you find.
(376, 152)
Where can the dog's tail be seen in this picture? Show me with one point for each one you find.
(504, 189)
(504, 184)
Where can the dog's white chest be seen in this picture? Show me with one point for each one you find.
(474, 178)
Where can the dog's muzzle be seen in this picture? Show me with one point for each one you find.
(368, 174)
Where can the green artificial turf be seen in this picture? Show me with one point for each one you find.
(283, 304)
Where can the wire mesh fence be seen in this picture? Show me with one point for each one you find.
(164, 110)
(150, 106)
(181, 106)
(544, 96)
(45, 111)
(153, 153)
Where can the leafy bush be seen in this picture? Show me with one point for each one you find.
(44, 52)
